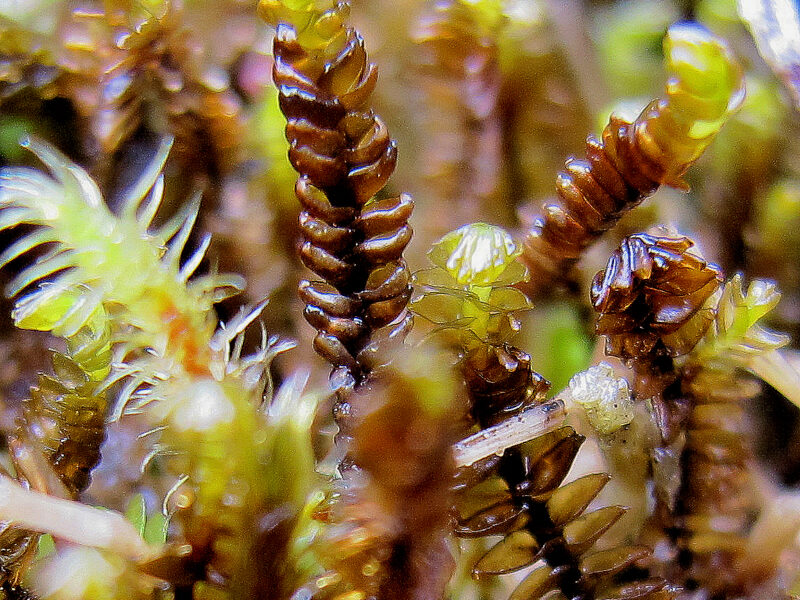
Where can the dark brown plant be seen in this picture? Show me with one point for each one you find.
(658, 302)
(55, 443)
(541, 519)
(475, 269)
(651, 303)
(652, 288)
(353, 239)
(716, 504)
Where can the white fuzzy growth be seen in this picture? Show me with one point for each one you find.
(605, 398)
(203, 406)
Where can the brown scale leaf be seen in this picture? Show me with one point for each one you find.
(344, 155)
(651, 296)
(542, 521)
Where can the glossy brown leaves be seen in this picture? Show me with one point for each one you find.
(501, 383)
(650, 297)
(354, 242)
(544, 520)
(631, 160)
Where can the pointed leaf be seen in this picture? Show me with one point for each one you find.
(582, 533)
(537, 584)
(609, 562)
(147, 180)
(516, 551)
(569, 501)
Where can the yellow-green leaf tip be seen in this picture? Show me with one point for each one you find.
(475, 254)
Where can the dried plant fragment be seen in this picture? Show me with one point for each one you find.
(513, 431)
(605, 398)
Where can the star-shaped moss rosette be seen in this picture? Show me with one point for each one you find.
(469, 291)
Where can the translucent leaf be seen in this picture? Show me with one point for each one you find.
(508, 299)
(186, 217)
(136, 512)
(710, 542)
(26, 244)
(434, 277)
(191, 264)
(440, 308)
(42, 309)
(67, 371)
(156, 528)
(706, 81)
(41, 269)
(516, 551)
(535, 585)
(475, 254)
(148, 179)
(609, 562)
(569, 501)
(514, 273)
(46, 546)
(736, 334)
